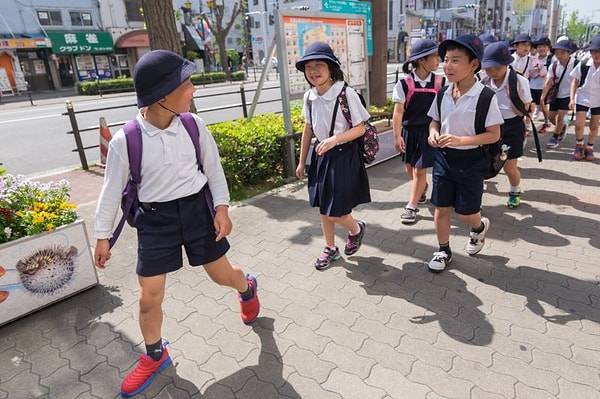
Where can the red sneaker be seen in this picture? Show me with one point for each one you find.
(578, 153)
(250, 308)
(144, 373)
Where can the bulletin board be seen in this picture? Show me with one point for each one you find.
(345, 33)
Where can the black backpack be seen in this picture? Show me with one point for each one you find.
(493, 161)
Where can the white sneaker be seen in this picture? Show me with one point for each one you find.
(439, 261)
(477, 240)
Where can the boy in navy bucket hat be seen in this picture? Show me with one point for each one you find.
(585, 97)
(496, 61)
(459, 160)
(536, 83)
(174, 211)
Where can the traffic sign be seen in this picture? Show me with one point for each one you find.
(353, 7)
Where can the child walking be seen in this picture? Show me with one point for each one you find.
(559, 74)
(496, 61)
(459, 160)
(536, 83)
(585, 96)
(337, 177)
(174, 210)
(413, 96)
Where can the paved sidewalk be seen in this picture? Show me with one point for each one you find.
(520, 320)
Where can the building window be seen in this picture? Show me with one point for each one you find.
(255, 2)
(229, 40)
(133, 9)
(79, 18)
(49, 18)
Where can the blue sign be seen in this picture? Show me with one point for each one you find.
(353, 7)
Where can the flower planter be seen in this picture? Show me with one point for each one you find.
(40, 270)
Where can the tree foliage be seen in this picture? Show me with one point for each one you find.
(220, 28)
(576, 29)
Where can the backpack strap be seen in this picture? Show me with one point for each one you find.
(410, 88)
(482, 108)
(133, 137)
(518, 104)
(584, 71)
(438, 98)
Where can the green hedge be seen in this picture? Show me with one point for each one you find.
(252, 151)
(125, 85)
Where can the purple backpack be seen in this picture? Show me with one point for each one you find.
(129, 201)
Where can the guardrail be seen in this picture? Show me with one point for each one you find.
(77, 131)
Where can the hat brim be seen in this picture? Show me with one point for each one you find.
(423, 54)
(493, 63)
(443, 48)
(187, 70)
(302, 62)
(570, 50)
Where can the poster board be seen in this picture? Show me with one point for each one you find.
(5, 87)
(345, 33)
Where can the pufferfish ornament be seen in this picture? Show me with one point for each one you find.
(48, 269)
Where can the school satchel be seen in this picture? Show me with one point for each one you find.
(369, 141)
(552, 93)
(129, 199)
(494, 156)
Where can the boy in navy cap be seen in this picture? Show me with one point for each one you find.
(523, 63)
(174, 210)
(458, 163)
(559, 75)
(496, 61)
(585, 96)
(536, 83)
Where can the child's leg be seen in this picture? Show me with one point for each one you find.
(473, 220)
(419, 180)
(222, 272)
(441, 221)
(152, 293)
(594, 121)
(356, 230)
(512, 172)
(560, 117)
(328, 228)
(348, 222)
(580, 125)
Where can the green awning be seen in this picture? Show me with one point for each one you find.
(81, 42)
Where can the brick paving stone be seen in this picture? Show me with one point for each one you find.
(576, 373)
(24, 386)
(351, 386)
(483, 377)
(65, 383)
(429, 354)
(342, 335)
(396, 384)
(83, 357)
(347, 359)
(526, 373)
(569, 389)
(308, 364)
(440, 381)
(12, 363)
(45, 361)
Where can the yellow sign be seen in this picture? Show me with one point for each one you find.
(24, 43)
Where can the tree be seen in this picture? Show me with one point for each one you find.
(220, 29)
(160, 24)
(576, 29)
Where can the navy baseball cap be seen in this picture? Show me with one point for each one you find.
(496, 54)
(470, 42)
(157, 73)
(521, 38)
(422, 48)
(317, 51)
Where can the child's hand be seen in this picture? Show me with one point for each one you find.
(300, 170)
(447, 140)
(326, 145)
(222, 223)
(399, 143)
(433, 140)
(101, 253)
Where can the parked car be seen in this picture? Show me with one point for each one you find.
(263, 62)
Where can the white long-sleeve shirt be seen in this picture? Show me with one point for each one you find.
(169, 170)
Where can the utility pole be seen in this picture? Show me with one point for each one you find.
(378, 62)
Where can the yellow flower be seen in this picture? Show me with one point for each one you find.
(49, 226)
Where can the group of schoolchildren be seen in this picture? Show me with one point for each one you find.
(435, 125)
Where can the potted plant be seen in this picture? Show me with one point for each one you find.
(44, 250)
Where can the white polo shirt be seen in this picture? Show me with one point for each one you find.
(503, 95)
(588, 94)
(458, 118)
(564, 90)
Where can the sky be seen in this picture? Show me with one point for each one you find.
(585, 7)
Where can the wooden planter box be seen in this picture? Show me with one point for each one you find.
(40, 270)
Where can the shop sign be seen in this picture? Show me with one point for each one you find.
(23, 43)
(81, 42)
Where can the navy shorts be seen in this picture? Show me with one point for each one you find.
(536, 96)
(164, 227)
(513, 134)
(458, 179)
(583, 108)
(419, 154)
(560, 104)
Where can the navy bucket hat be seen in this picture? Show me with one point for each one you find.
(470, 42)
(487, 38)
(544, 41)
(317, 51)
(566, 45)
(158, 73)
(594, 44)
(496, 54)
(422, 48)
(521, 38)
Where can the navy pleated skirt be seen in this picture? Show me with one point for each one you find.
(338, 180)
